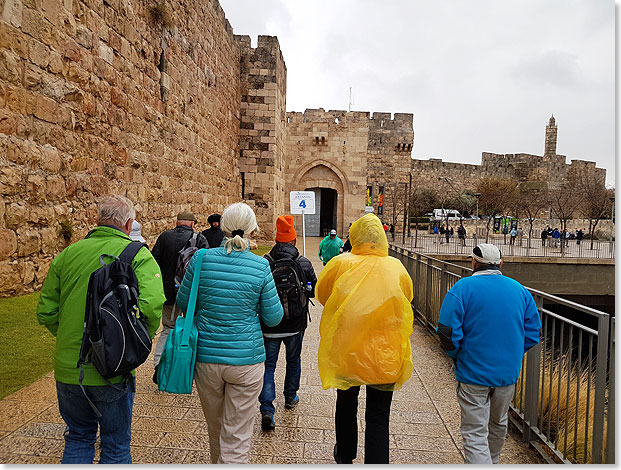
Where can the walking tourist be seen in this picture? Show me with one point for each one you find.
(329, 247)
(347, 246)
(214, 233)
(136, 232)
(236, 291)
(579, 236)
(61, 310)
(520, 235)
(487, 322)
(513, 234)
(365, 337)
(392, 231)
(166, 253)
(556, 236)
(544, 236)
(461, 233)
(295, 282)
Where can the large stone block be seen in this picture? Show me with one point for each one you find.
(12, 12)
(10, 276)
(8, 243)
(50, 240)
(28, 242)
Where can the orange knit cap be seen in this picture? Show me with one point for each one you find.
(284, 229)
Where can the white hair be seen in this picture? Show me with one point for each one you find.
(115, 210)
(238, 216)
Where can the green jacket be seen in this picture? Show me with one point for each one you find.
(329, 248)
(63, 297)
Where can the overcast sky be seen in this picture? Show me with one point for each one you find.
(478, 75)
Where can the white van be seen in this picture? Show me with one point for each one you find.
(440, 215)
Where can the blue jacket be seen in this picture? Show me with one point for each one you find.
(487, 322)
(234, 291)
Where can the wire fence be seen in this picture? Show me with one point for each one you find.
(564, 397)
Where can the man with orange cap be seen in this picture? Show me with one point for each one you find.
(295, 282)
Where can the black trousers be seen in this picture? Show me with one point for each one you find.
(376, 417)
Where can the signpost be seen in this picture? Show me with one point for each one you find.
(302, 202)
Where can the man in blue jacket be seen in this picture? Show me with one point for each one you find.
(487, 322)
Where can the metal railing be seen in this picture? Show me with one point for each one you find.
(565, 394)
(436, 244)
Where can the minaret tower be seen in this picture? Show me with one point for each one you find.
(551, 131)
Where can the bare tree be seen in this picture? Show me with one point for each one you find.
(422, 201)
(497, 195)
(596, 198)
(532, 200)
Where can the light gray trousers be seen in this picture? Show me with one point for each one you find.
(483, 420)
(169, 317)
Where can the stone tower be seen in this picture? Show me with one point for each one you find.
(551, 132)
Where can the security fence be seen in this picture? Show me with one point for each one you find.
(533, 247)
(564, 398)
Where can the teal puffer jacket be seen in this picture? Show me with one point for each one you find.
(234, 291)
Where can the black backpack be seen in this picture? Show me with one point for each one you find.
(116, 339)
(184, 257)
(290, 285)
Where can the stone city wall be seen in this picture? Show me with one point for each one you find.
(111, 97)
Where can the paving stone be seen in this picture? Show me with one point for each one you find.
(315, 422)
(144, 423)
(13, 414)
(157, 455)
(160, 411)
(154, 399)
(146, 438)
(281, 448)
(291, 434)
(34, 460)
(431, 430)
(37, 446)
(40, 391)
(43, 430)
(433, 444)
(414, 457)
(198, 457)
(194, 414)
(50, 415)
(185, 441)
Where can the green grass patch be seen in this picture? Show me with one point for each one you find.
(26, 348)
(262, 250)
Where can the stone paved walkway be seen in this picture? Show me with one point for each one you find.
(424, 426)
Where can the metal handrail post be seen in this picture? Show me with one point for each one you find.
(610, 431)
(533, 370)
(603, 326)
(443, 282)
(428, 293)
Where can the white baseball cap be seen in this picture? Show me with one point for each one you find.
(332, 232)
(486, 253)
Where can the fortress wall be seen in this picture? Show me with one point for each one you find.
(111, 97)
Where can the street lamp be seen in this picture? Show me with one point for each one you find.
(476, 230)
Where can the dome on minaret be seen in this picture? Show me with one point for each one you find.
(552, 121)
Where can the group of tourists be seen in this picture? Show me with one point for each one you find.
(556, 237)
(245, 306)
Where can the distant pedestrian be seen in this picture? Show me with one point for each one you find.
(544, 236)
(214, 233)
(461, 233)
(295, 282)
(365, 338)
(61, 310)
(556, 236)
(447, 233)
(487, 322)
(579, 236)
(329, 247)
(567, 237)
(520, 235)
(136, 232)
(513, 234)
(392, 232)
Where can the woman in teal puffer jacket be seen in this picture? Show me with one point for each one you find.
(236, 289)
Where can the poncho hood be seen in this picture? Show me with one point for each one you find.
(367, 236)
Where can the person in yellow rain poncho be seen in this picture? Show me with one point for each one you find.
(365, 337)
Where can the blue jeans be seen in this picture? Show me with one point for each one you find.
(293, 349)
(115, 407)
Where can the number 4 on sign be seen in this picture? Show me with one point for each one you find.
(303, 204)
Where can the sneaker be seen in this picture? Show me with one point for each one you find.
(291, 403)
(267, 422)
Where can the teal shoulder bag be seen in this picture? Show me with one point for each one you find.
(175, 373)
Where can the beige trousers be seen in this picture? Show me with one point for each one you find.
(229, 397)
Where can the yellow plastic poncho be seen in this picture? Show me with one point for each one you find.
(367, 317)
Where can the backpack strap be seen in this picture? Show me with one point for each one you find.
(193, 240)
(130, 251)
(189, 316)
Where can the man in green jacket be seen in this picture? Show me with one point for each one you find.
(61, 310)
(329, 247)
